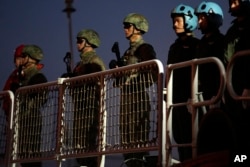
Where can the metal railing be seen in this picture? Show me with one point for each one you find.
(223, 158)
(52, 121)
(230, 86)
(193, 104)
(6, 110)
(57, 102)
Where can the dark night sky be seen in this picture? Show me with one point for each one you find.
(43, 23)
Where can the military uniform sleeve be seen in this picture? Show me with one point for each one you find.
(145, 52)
(98, 64)
(37, 79)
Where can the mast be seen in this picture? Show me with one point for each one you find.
(68, 10)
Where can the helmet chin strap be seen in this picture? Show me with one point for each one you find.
(84, 46)
(133, 33)
(25, 63)
(29, 63)
(129, 37)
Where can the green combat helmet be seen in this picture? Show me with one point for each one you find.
(91, 36)
(33, 51)
(138, 20)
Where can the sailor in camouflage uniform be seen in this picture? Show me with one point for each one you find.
(12, 83)
(135, 106)
(87, 105)
(30, 119)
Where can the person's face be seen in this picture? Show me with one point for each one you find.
(25, 59)
(128, 29)
(178, 24)
(234, 5)
(18, 61)
(81, 42)
(203, 22)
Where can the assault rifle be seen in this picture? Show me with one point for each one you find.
(67, 61)
(118, 62)
(20, 74)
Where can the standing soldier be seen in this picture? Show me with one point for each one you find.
(134, 98)
(210, 18)
(30, 120)
(183, 49)
(12, 84)
(87, 105)
(237, 39)
(213, 135)
(13, 80)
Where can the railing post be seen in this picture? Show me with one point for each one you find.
(60, 120)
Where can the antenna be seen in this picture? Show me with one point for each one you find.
(68, 10)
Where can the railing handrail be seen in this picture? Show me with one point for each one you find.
(195, 62)
(170, 67)
(46, 84)
(229, 69)
(9, 126)
(194, 103)
(61, 83)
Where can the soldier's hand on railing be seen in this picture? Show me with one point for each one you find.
(246, 103)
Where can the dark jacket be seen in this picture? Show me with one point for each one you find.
(180, 51)
(209, 78)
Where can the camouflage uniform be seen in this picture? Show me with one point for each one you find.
(134, 98)
(135, 104)
(30, 120)
(12, 82)
(87, 105)
(89, 63)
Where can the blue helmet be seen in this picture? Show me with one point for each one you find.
(213, 12)
(190, 19)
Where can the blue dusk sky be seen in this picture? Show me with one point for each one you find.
(43, 23)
